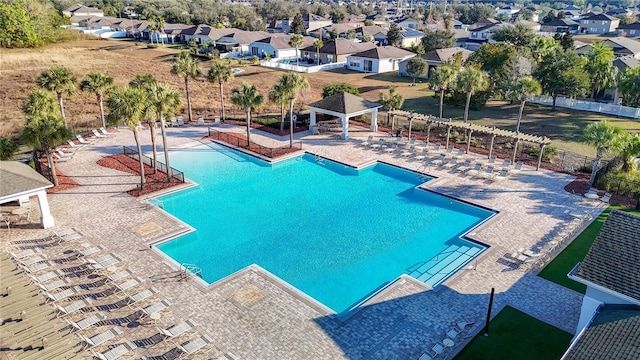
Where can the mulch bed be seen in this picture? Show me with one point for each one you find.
(64, 182)
(581, 186)
(153, 182)
(258, 149)
(268, 129)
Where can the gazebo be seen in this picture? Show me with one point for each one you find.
(541, 141)
(18, 182)
(344, 106)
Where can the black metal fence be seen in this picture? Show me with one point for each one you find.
(241, 142)
(132, 153)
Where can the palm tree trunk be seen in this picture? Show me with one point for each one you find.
(594, 170)
(318, 55)
(186, 86)
(136, 135)
(522, 102)
(291, 122)
(152, 127)
(61, 105)
(104, 123)
(165, 148)
(248, 129)
(222, 99)
(555, 97)
(441, 101)
(466, 107)
(281, 117)
(52, 166)
(297, 57)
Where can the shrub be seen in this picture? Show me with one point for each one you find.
(550, 152)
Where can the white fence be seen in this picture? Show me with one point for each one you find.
(304, 69)
(602, 108)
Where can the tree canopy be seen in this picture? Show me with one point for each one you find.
(332, 89)
(439, 39)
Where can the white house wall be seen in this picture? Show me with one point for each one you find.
(606, 297)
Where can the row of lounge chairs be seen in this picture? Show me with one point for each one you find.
(88, 290)
(459, 330)
(62, 154)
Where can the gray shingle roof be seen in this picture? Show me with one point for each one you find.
(341, 47)
(16, 177)
(442, 55)
(345, 103)
(384, 52)
(613, 334)
(614, 258)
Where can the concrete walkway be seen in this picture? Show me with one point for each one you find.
(255, 317)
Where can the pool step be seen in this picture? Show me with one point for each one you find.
(437, 269)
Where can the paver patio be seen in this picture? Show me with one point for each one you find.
(255, 317)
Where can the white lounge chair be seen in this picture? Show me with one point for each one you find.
(408, 152)
(438, 349)
(102, 262)
(180, 121)
(506, 165)
(419, 154)
(74, 145)
(492, 160)
(194, 346)
(451, 163)
(517, 168)
(142, 295)
(367, 142)
(98, 135)
(116, 352)
(73, 307)
(21, 254)
(86, 322)
(122, 274)
(105, 132)
(53, 285)
(174, 122)
(487, 173)
(465, 166)
(438, 161)
(83, 141)
(177, 330)
(606, 198)
(128, 285)
(46, 276)
(101, 338)
(154, 308)
(60, 295)
(475, 171)
(502, 176)
(200, 120)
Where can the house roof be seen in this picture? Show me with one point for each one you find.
(16, 178)
(561, 22)
(281, 41)
(635, 26)
(600, 17)
(372, 30)
(313, 17)
(625, 62)
(84, 9)
(621, 42)
(613, 334)
(384, 52)
(409, 32)
(404, 18)
(244, 37)
(345, 103)
(341, 47)
(442, 55)
(484, 26)
(613, 261)
(340, 28)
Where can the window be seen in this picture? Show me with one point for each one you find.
(368, 65)
(330, 58)
(604, 22)
(484, 35)
(632, 32)
(354, 63)
(593, 30)
(474, 35)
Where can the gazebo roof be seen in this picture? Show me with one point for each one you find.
(345, 103)
(542, 140)
(17, 178)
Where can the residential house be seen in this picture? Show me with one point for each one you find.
(275, 26)
(435, 58)
(598, 24)
(508, 10)
(626, 62)
(534, 26)
(571, 12)
(619, 12)
(406, 22)
(560, 26)
(277, 46)
(81, 10)
(410, 37)
(335, 50)
(205, 34)
(622, 46)
(609, 325)
(379, 59)
(629, 30)
(355, 20)
(481, 33)
(312, 23)
(239, 41)
(341, 30)
(379, 20)
(377, 33)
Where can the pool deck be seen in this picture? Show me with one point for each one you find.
(255, 317)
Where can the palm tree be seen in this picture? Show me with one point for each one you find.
(629, 149)
(59, 80)
(606, 138)
(249, 99)
(220, 73)
(97, 83)
(471, 80)
(187, 67)
(291, 84)
(441, 79)
(43, 132)
(39, 102)
(130, 105)
(159, 25)
(600, 67)
(296, 40)
(392, 101)
(318, 43)
(278, 95)
(142, 81)
(525, 87)
(165, 100)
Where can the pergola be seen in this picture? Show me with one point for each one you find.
(344, 106)
(541, 141)
(18, 182)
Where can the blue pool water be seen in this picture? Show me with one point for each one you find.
(335, 233)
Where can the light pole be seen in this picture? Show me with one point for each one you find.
(291, 122)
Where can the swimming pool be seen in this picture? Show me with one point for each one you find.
(333, 232)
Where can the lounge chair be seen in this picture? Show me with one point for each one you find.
(367, 142)
(506, 165)
(200, 120)
(116, 352)
(606, 198)
(451, 163)
(102, 262)
(73, 307)
(390, 150)
(105, 132)
(436, 147)
(465, 166)
(439, 160)
(377, 145)
(174, 122)
(177, 330)
(74, 145)
(101, 338)
(83, 141)
(438, 349)
(128, 285)
(59, 159)
(46, 276)
(142, 295)
(461, 325)
(98, 135)
(193, 346)
(502, 176)
(31, 260)
(62, 153)
(154, 308)
(86, 322)
(60, 233)
(528, 252)
(53, 285)
(21, 254)
(408, 152)
(180, 121)
(419, 154)
(426, 356)
(475, 171)
(60, 295)
(487, 173)
(116, 276)
(91, 250)
(517, 168)
(521, 258)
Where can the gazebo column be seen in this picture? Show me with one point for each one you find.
(428, 131)
(410, 124)
(493, 138)
(45, 215)
(345, 127)
(446, 146)
(540, 156)
(515, 149)
(469, 141)
(374, 120)
(312, 120)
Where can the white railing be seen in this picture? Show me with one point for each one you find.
(602, 108)
(304, 69)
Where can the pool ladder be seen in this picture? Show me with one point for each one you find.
(421, 173)
(156, 202)
(186, 269)
(319, 157)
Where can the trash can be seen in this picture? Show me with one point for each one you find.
(398, 132)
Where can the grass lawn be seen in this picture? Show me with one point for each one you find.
(558, 269)
(516, 335)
